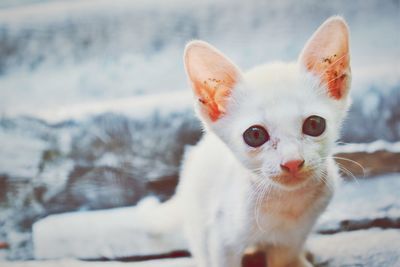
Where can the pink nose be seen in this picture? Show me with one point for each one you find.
(292, 166)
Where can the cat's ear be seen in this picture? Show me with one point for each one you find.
(326, 55)
(213, 77)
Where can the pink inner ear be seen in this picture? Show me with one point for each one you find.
(327, 55)
(213, 77)
(212, 94)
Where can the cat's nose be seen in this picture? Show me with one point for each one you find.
(292, 166)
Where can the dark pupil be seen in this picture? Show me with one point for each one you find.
(314, 126)
(255, 136)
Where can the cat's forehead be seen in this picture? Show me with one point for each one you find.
(280, 81)
(288, 101)
(282, 90)
(281, 111)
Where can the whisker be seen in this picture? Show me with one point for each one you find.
(348, 172)
(258, 207)
(352, 161)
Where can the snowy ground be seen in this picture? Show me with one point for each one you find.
(370, 248)
(75, 263)
(360, 228)
(133, 231)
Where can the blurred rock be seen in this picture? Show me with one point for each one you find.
(134, 231)
(100, 162)
(366, 164)
(110, 160)
(374, 115)
(369, 248)
(363, 204)
(90, 188)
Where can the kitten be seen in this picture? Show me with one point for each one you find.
(262, 173)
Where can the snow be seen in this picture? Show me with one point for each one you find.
(362, 202)
(184, 262)
(120, 232)
(369, 248)
(131, 231)
(137, 107)
(378, 145)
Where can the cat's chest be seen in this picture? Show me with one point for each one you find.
(285, 217)
(290, 207)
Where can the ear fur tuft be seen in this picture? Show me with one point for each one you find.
(326, 55)
(212, 76)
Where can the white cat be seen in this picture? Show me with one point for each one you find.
(262, 173)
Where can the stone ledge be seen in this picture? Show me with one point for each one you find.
(369, 248)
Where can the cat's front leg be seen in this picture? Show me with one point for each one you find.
(226, 257)
(279, 256)
(222, 254)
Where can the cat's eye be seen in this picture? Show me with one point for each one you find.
(314, 126)
(255, 136)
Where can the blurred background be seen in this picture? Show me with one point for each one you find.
(95, 111)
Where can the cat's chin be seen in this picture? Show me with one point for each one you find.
(291, 182)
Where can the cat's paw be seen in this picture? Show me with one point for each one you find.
(285, 257)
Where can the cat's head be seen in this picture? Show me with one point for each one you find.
(280, 120)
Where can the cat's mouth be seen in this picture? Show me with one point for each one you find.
(292, 179)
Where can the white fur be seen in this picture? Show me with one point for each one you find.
(221, 203)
